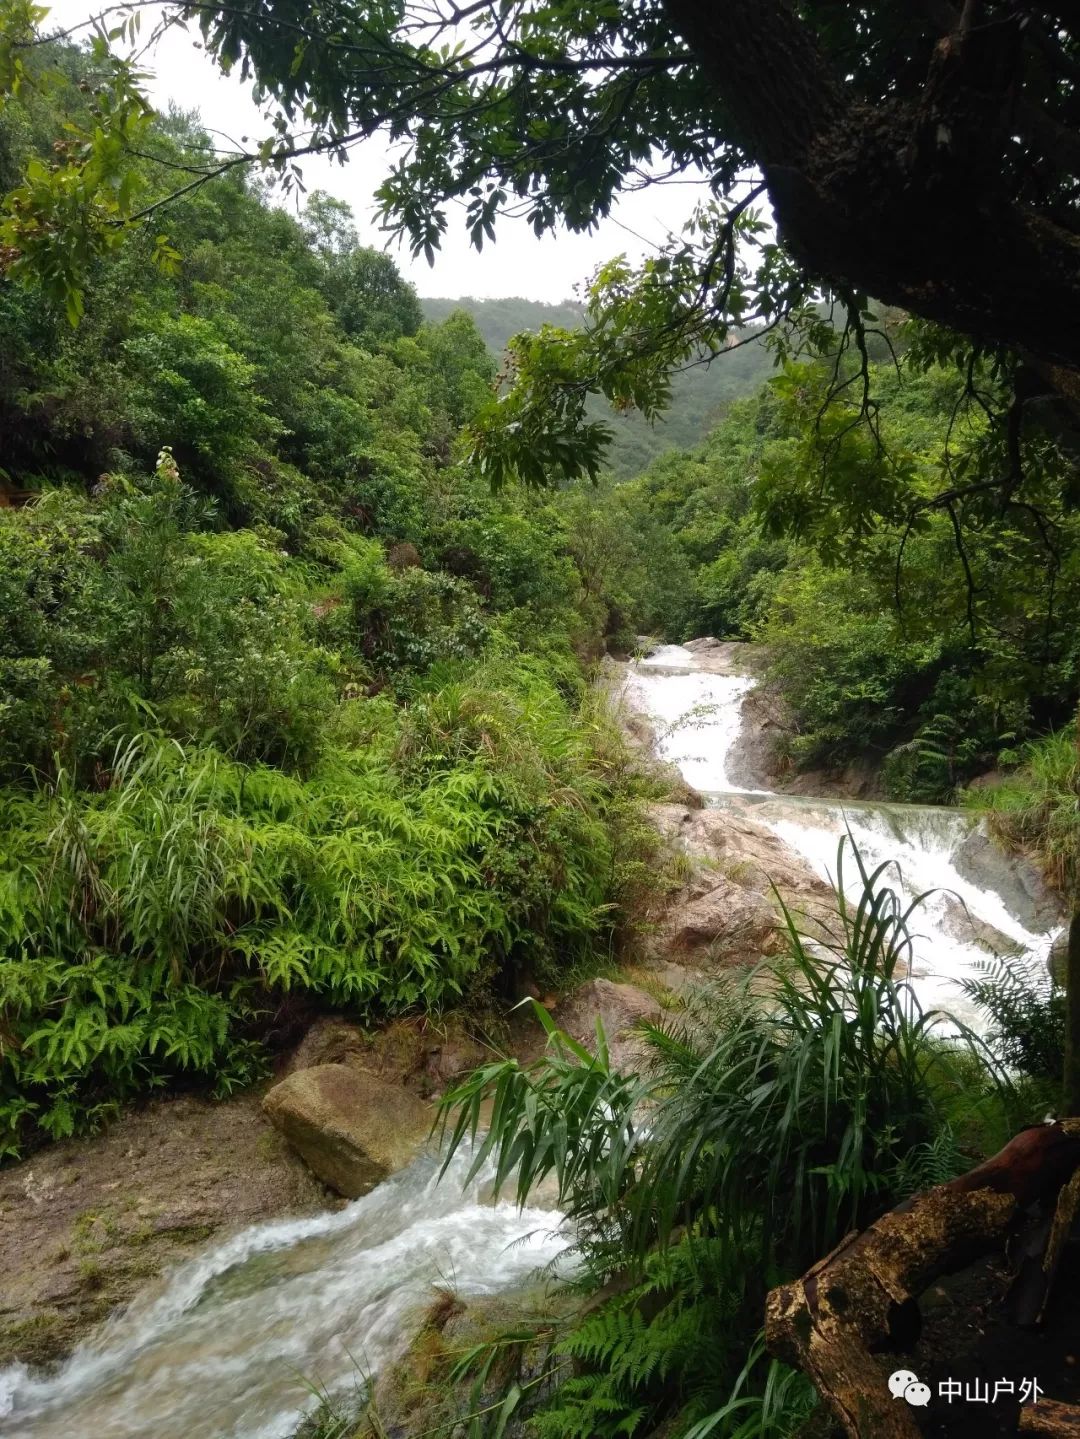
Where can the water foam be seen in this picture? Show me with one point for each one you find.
(231, 1344)
(698, 719)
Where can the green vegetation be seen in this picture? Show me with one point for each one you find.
(760, 1131)
(292, 699)
(1036, 808)
(291, 709)
(699, 395)
(887, 635)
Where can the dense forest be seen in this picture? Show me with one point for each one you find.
(316, 596)
(885, 640)
(289, 699)
(699, 395)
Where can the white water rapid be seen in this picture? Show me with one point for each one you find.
(972, 910)
(230, 1345)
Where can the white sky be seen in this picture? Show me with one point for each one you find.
(517, 264)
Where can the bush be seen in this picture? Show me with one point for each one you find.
(846, 670)
(126, 608)
(1026, 1009)
(155, 927)
(1037, 808)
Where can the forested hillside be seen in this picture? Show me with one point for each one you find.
(290, 705)
(700, 394)
(888, 638)
(320, 825)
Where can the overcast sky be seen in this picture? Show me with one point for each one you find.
(517, 264)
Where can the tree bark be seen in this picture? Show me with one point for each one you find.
(860, 1297)
(1050, 1420)
(777, 91)
(1070, 1099)
(903, 202)
(1071, 1077)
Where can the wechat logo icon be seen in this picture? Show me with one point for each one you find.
(906, 1385)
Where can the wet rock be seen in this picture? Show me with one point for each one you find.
(959, 922)
(679, 981)
(352, 1129)
(456, 1054)
(758, 758)
(703, 643)
(860, 778)
(423, 1057)
(86, 1222)
(1025, 892)
(741, 849)
(727, 657)
(619, 1008)
(726, 911)
(330, 1040)
(729, 922)
(1057, 961)
(754, 762)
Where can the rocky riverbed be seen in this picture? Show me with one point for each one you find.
(183, 1185)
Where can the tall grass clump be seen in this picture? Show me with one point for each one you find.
(792, 1105)
(1037, 808)
(159, 925)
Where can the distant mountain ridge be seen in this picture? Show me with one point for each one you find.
(699, 396)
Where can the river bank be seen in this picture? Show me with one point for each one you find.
(977, 902)
(269, 1283)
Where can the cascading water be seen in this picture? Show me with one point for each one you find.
(230, 1345)
(697, 714)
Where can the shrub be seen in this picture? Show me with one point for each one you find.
(1037, 809)
(1026, 1009)
(155, 926)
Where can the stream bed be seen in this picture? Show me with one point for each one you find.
(234, 1343)
(978, 901)
(238, 1342)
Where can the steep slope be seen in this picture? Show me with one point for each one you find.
(699, 398)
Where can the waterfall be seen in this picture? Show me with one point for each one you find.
(232, 1344)
(697, 716)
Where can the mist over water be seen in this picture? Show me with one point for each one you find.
(229, 1345)
(697, 717)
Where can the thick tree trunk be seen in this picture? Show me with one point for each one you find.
(863, 1296)
(1071, 1097)
(777, 92)
(902, 202)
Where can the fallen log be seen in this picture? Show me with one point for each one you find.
(859, 1299)
(1050, 1420)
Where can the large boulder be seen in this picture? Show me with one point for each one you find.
(619, 1008)
(729, 922)
(726, 911)
(353, 1129)
(737, 847)
(1014, 877)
